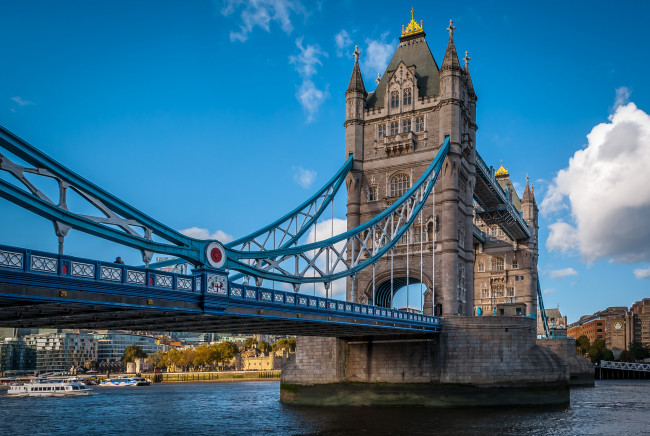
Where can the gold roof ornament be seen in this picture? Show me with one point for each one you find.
(413, 27)
(501, 171)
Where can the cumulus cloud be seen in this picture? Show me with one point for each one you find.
(306, 62)
(22, 102)
(642, 273)
(261, 13)
(201, 233)
(343, 41)
(561, 273)
(377, 55)
(304, 177)
(548, 291)
(606, 190)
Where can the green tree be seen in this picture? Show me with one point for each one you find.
(639, 351)
(287, 343)
(597, 350)
(131, 353)
(608, 355)
(582, 345)
(264, 346)
(626, 356)
(250, 343)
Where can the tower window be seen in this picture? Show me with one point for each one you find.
(394, 99)
(399, 184)
(511, 292)
(419, 124)
(515, 264)
(372, 193)
(481, 267)
(497, 264)
(406, 125)
(407, 96)
(394, 128)
(381, 131)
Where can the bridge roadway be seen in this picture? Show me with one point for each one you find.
(39, 289)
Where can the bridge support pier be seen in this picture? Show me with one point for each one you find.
(473, 362)
(581, 370)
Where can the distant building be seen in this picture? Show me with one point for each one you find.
(554, 318)
(641, 321)
(16, 356)
(615, 325)
(56, 352)
(111, 344)
(249, 361)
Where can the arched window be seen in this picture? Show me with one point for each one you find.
(407, 96)
(399, 184)
(394, 99)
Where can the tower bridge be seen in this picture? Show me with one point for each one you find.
(423, 208)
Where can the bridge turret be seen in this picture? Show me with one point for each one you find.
(454, 194)
(355, 103)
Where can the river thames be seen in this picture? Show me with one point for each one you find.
(612, 407)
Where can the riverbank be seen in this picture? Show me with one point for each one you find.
(221, 376)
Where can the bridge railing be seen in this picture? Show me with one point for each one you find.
(627, 366)
(86, 270)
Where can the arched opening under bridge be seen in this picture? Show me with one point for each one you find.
(398, 299)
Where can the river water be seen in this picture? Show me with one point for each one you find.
(249, 408)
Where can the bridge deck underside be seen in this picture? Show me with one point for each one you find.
(42, 307)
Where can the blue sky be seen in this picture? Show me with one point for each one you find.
(221, 116)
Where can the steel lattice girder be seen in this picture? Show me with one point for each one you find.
(364, 244)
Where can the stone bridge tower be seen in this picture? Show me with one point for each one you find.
(394, 133)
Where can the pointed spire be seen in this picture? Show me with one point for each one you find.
(356, 80)
(450, 61)
(527, 197)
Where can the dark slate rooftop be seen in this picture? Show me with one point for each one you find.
(413, 51)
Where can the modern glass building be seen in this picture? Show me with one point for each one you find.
(111, 344)
(56, 352)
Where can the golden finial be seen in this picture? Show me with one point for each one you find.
(413, 27)
(501, 171)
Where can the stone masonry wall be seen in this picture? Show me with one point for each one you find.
(317, 361)
(581, 370)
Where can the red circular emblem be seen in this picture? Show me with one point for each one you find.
(216, 255)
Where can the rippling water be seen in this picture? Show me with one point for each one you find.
(612, 407)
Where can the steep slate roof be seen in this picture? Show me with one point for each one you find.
(356, 81)
(412, 50)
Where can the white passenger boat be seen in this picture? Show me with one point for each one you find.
(47, 388)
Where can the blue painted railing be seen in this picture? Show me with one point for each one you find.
(37, 262)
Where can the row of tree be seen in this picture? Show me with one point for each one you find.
(597, 350)
(204, 357)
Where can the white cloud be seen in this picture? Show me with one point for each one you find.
(561, 273)
(622, 96)
(641, 273)
(261, 13)
(324, 230)
(377, 55)
(343, 41)
(548, 291)
(606, 188)
(303, 177)
(309, 96)
(22, 102)
(201, 233)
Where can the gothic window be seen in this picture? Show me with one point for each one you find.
(372, 193)
(394, 99)
(461, 234)
(497, 264)
(485, 293)
(419, 124)
(515, 264)
(407, 96)
(511, 292)
(406, 125)
(418, 234)
(481, 267)
(381, 131)
(394, 128)
(399, 184)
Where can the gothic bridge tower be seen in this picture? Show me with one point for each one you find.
(394, 134)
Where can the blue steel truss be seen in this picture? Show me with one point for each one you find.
(273, 252)
(542, 312)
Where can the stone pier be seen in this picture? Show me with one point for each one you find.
(581, 370)
(488, 361)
